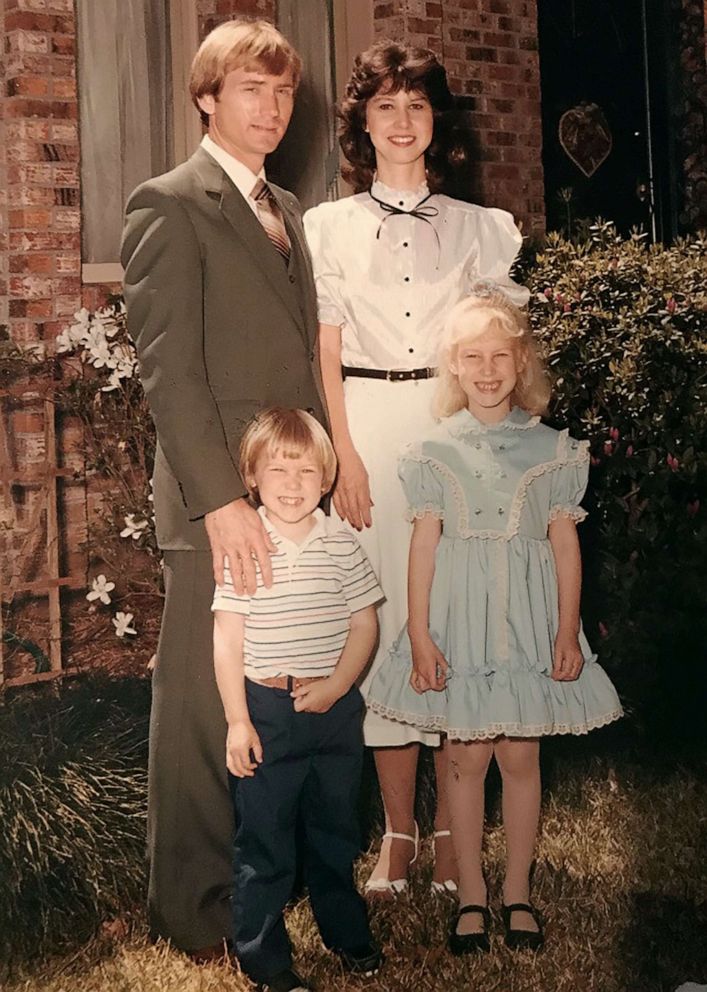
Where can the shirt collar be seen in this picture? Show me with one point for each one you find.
(406, 199)
(288, 545)
(240, 175)
(464, 422)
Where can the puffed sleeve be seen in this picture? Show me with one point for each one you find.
(423, 489)
(569, 481)
(328, 277)
(227, 599)
(498, 244)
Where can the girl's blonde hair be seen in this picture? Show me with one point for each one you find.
(256, 46)
(290, 433)
(472, 317)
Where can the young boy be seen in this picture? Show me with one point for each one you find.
(287, 659)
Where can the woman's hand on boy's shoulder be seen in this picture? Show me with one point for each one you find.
(244, 752)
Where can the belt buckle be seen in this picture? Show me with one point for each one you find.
(397, 375)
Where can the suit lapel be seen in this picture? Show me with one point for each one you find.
(250, 231)
(299, 267)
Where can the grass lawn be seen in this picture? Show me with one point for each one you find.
(621, 881)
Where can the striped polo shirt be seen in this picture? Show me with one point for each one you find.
(299, 626)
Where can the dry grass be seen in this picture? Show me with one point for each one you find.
(620, 881)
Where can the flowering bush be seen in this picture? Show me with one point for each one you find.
(119, 449)
(624, 326)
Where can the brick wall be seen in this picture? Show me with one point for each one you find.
(489, 48)
(40, 254)
(42, 151)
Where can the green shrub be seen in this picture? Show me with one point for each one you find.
(72, 808)
(624, 326)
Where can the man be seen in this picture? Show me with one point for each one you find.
(222, 308)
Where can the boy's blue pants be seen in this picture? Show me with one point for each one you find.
(311, 772)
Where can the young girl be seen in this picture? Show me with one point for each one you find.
(493, 654)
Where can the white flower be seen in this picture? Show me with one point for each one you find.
(133, 528)
(101, 355)
(100, 589)
(113, 382)
(121, 622)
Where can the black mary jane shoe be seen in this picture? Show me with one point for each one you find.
(522, 940)
(471, 943)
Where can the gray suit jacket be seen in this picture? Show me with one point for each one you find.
(223, 328)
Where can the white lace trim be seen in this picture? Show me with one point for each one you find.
(579, 455)
(575, 513)
(491, 730)
(426, 510)
(473, 426)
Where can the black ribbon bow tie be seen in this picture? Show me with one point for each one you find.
(419, 212)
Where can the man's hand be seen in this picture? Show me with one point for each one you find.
(568, 658)
(240, 741)
(317, 697)
(236, 532)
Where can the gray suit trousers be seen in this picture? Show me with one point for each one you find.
(190, 816)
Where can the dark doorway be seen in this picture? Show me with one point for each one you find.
(605, 66)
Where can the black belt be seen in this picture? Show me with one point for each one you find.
(391, 375)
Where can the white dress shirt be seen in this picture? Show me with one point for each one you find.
(390, 280)
(240, 175)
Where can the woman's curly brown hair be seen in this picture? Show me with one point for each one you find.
(398, 67)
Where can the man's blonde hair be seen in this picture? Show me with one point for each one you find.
(256, 46)
(291, 434)
(472, 317)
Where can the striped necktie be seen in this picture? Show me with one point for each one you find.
(270, 216)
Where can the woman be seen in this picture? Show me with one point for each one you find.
(389, 262)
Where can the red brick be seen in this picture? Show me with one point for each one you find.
(66, 175)
(32, 174)
(63, 44)
(44, 241)
(30, 287)
(27, 86)
(40, 308)
(30, 196)
(67, 305)
(33, 20)
(32, 220)
(20, 107)
(64, 89)
(65, 132)
(67, 219)
(27, 41)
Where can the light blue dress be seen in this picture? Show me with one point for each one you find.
(493, 602)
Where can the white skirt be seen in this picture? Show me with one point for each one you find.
(384, 417)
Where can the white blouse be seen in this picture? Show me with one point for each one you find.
(389, 280)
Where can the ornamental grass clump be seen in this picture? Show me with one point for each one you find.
(72, 809)
(624, 326)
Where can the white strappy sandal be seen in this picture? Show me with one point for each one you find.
(395, 886)
(448, 887)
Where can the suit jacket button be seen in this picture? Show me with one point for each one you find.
(291, 277)
(310, 411)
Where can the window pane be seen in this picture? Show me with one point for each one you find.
(125, 98)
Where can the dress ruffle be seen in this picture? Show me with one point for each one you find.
(510, 702)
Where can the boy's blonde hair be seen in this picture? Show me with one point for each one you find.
(472, 317)
(290, 433)
(256, 46)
